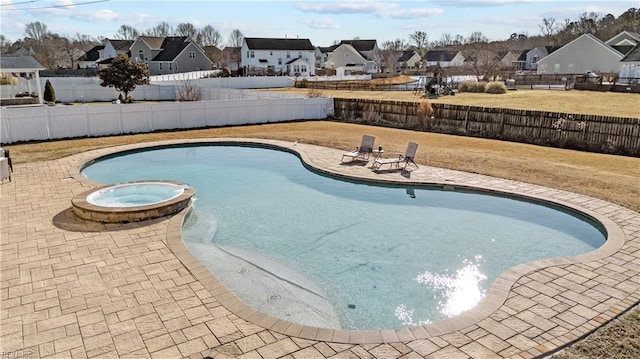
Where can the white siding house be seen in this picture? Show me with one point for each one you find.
(278, 56)
(585, 53)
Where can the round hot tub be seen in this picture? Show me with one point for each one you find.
(133, 201)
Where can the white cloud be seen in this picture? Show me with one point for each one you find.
(321, 23)
(348, 7)
(411, 13)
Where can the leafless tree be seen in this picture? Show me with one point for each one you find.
(126, 32)
(36, 31)
(186, 29)
(235, 38)
(161, 30)
(480, 55)
(209, 36)
(421, 40)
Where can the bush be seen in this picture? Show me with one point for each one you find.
(49, 92)
(474, 86)
(302, 84)
(495, 87)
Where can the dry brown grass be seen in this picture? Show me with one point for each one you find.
(579, 102)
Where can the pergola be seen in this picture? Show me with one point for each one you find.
(23, 65)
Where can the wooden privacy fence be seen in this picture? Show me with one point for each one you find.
(605, 134)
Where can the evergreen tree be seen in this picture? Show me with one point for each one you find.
(49, 92)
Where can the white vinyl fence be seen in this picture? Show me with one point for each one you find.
(19, 124)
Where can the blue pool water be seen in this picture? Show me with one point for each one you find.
(319, 251)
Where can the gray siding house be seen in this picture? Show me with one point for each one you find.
(584, 54)
(169, 55)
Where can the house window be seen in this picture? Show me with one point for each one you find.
(192, 54)
(299, 54)
(270, 53)
(160, 66)
(253, 54)
(141, 55)
(556, 68)
(280, 61)
(170, 66)
(288, 54)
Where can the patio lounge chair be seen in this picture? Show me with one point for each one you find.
(363, 151)
(405, 158)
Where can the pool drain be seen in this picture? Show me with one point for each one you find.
(243, 270)
(274, 297)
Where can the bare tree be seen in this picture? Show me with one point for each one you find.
(36, 31)
(209, 36)
(479, 54)
(186, 29)
(549, 29)
(421, 40)
(126, 32)
(161, 30)
(390, 52)
(4, 44)
(235, 38)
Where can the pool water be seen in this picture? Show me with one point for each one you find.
(319, 251)
(135, 194)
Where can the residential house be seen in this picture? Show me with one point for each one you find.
(355, 56)
(630, 66)
(509, 58)
(528, 59)
(111, 49)
(215, 55)
(407, 60)
(584, 54)
(624, 41)
(322, 55)
(89, 60)
(169, 55)
(443, 58)
(231, 58)
(277, 56)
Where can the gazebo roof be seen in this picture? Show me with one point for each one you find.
(24, 63)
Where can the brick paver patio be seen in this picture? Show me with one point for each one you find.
(72, 289)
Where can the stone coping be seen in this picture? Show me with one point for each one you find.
(104, 214)
(499, 299)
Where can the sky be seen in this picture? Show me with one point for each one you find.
(323, 22)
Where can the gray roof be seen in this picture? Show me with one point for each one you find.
(25, 62)
(172, 46)
(440, 55)
(633, 55)
(360, 45)
(406, 55)
(92, 54)
(260, 43)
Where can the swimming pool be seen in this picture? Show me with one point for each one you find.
(317, 251)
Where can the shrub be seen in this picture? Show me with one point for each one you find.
(495, 87)
(313, 93)
(49, 92)
(473, 86)
(302, 84)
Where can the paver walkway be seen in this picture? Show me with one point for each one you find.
(71, 289)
